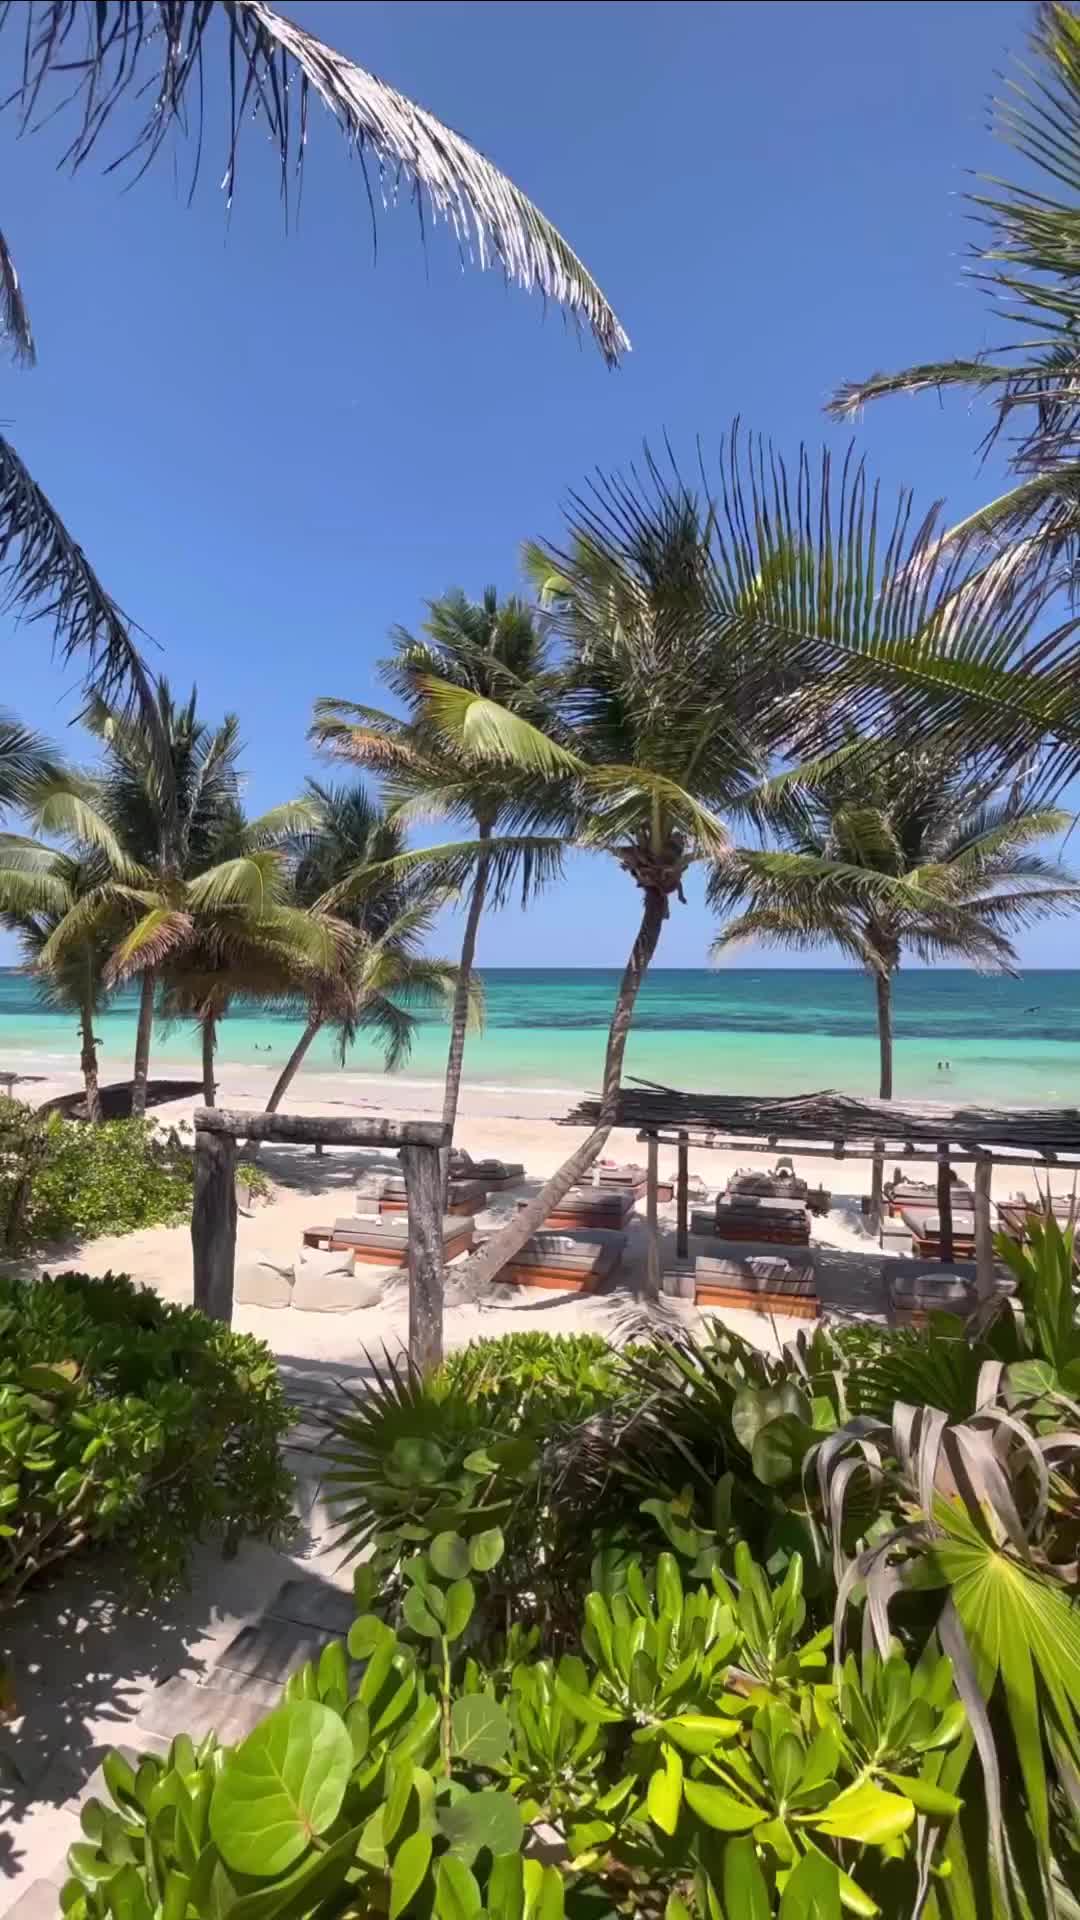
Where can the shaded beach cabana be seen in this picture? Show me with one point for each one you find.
(836, 1126)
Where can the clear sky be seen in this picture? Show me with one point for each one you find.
(273, 449)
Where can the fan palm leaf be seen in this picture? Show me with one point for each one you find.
(123, 51)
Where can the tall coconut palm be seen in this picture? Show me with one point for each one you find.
(894, 856)
(384, 966)
(497, 650)
(168, 785)
(121, 56)
(75, 980)
(649, 742)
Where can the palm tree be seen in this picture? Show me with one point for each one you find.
(124, 54)
(894, 856)
(496, 649)
(75, 979)
(168, 786)
(1027, 540)
(648, 742)
(390, 920)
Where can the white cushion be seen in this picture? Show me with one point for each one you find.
(338, 1290)
(263, 1280)
(320, 1260)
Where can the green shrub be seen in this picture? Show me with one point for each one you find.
(538, 1379)
(692, 1750)
(128, 1421)
(60, 1178)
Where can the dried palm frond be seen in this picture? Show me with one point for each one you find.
(119, 50)
(14, 319)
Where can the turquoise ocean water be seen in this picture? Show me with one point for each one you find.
(774, 1031)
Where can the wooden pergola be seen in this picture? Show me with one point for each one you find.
(838, 1127)
(213, 1213)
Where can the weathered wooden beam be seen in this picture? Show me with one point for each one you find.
(652, 1271)
(944, 1205)
(984, 1232)
(320, 1130)
(213, 1223)
(958, 1156)
(682, 1199)
(424, 1192)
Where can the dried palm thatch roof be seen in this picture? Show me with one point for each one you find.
(830, 1116)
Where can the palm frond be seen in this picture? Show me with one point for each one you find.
(123, 51)
(526, 861)
(161, 932)
(856, 394)
(25, 759)
(14, 319)
(46, 576)
(490, 733)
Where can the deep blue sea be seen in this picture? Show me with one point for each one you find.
(773, 1030)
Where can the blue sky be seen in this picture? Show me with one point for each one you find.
(272, 450)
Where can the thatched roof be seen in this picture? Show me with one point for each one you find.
(830, 1116)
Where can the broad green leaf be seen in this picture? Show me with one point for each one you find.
(480, 1729)
(449, 1555)
(664, 1796)
(333, 1674)
(866, 1813)
(486, 1550)
(812, 1891)
(586, 1706)
(925, 1797)
(780, 1448)
(460, 1601)
(89, 1864)
(128, 1898)
(411, 1863)
(754, 1407)
(304, 1889)
(365, 1634)
(584, 1836)
(720, 1809)
(506, 1888)
(745, 1891)
(698, 1732)
(488, 1819)
(280, 1788)
(419, 1616)
(457, 1895)
(552, 1901)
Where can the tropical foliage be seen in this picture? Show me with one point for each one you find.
(619, 1597)
(129, 1424)
(60, 1180)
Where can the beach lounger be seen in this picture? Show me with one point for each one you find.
(758, 1283)
(565, 1262)
(628, 1175)
(907, 1195)
(385, 1242)
(925, 1230)
(913, 1297)
(752, 1217)
(462, 1196)
(586, 1207)
(895, 1236)
(776, 1183)
(496, 1175)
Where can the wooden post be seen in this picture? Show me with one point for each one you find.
(944, 1202)
(423, 1191)
(984, 1233)
(652, 1270)
(682, 1197)
(213, 1223)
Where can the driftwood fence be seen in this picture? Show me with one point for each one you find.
(213, 1216)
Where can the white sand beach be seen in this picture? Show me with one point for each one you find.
(514, 1124)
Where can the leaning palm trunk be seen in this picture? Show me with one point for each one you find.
(502, 1246)
(459, 1018)
(883, 989)
(89, 1061)
(209, 1042)
(293, 1063)
(143, 1034)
